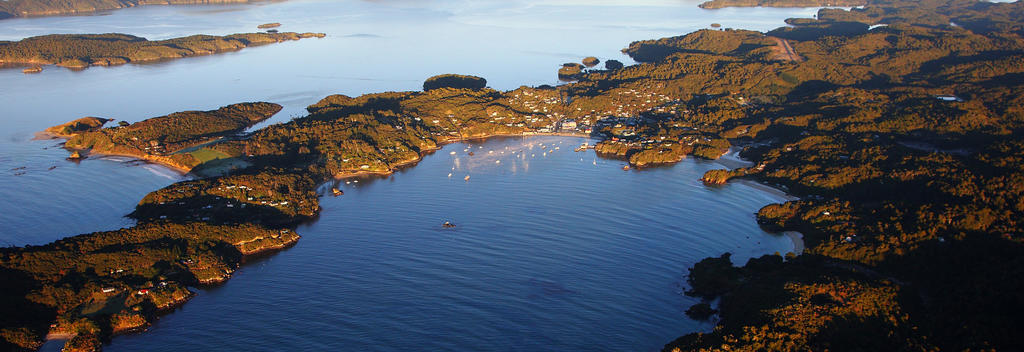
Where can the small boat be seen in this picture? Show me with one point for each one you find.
(497, 161)
(467, 178)
(449, 175)
(448, 224)
(625, 168)
(471, 154)
(337, 192)
(33, 69)
(452, 153)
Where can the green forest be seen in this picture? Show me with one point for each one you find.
(897, 125)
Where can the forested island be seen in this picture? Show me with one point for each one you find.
(80, 51)
(30, 8)
(902, 141)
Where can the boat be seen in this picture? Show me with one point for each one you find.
(625, 167)
(337, 192)
(33, 69)
(471, 154)
(448, 224)
(467, 178)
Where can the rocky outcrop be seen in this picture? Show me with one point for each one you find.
(613, 65)
(570, 71)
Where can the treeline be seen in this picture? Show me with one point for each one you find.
(84, 50)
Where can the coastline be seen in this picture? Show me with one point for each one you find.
(798, 241)
(732, 160)
(147, 158)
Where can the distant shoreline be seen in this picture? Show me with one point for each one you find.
(22, 9)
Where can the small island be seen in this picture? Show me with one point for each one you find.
(454, 81)
(79, 51)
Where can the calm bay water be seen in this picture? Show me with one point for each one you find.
(551, 252)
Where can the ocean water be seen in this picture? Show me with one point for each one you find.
(550, 251)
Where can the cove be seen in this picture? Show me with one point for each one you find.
(562, 250)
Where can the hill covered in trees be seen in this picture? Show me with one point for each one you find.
(898, 125)
(84, 50)
(29, 8)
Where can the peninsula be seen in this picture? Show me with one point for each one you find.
(82, 125)
(903, 143)
(79, 51)
(32, 8)
(176, 140)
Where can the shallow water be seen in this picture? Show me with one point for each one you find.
(550, 252)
